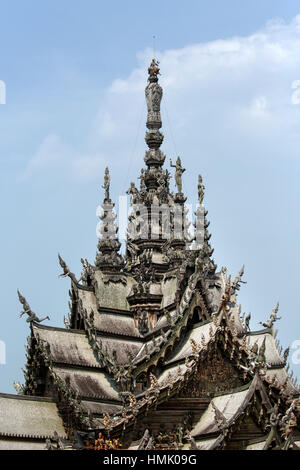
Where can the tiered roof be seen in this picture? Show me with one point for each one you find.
(155, 351)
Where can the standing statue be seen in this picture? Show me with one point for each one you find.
(179, 433)
(201, 189)
(247, 323)
(143, 321)
(153, 93)
(106, 184)
(143, 187)
(178, 173)
(133, 192)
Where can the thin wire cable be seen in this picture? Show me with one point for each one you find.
(171, 133)
(170, 127)
(132, 155)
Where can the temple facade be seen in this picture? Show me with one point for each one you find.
(155, 353)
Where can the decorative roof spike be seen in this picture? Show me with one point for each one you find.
(32, 317)
(88, 272)
(201, 234)
(66, 270)
(67, 323)
(154, 385)
(286, 354)
(262, 349)
(201, 190)
(238, 280)
(220, 419)
(19, 388)
(108, 257)
(273, 318)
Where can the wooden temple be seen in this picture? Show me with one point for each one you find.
(155, 353)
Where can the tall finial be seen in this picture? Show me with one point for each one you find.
(108, 257)
(154, 47)
(154, 138)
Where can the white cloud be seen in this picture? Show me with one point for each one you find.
(49, 154)
(54, 155)
(88, 167)
(228, 90)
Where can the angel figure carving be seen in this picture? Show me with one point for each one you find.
(32, 317)
(273, 318)
(179, 170)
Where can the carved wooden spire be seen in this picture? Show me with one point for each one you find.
(154, 138)
(201, 233)
(108, 257)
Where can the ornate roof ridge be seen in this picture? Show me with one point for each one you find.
(111, 311)
(108, 401)
(109, 333)
(260, 332)
(28, 397)
(232, 421)
(108, 258)
(76, 365)
(57, 328)
(241, 388)
(41, 437)
(100, 399)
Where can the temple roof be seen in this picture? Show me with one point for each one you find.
(199, 333)
(154, 324)
(116, 324)
(229, 405)
(272, 355)
(89, 384)
(29, 417)
(67, 346)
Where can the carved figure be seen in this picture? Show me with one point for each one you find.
(153, 69)
(178, 173)
(31, 315)
(66, 270)
(273, 318)
(133, 191)
(106, 184)
(201, 189)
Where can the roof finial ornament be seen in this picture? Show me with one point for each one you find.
(66, 270)
(154, 138)
(273, 318)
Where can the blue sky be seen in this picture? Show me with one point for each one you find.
(75, 74)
